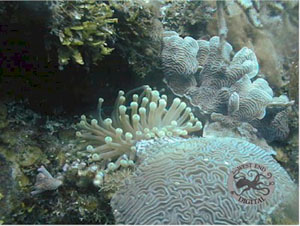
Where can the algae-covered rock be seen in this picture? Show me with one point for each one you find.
(287, 213)
(188, 18)
(9, 137)
(139, 34)
(3, 116)
(9, 190)
(30, 155)
(84, 29)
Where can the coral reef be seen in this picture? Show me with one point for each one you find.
(104, 46)
(32, 139)
(264, 27)
(189, 18)
(112, 141)
(223, 87)
(139, 34)
(185, 182)
(45, 181)
(84, 29)
(179, 55)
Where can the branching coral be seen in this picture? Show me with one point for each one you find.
(112, 141)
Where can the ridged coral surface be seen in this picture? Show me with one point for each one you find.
(179, 55)
(185, 182)
(209, 90)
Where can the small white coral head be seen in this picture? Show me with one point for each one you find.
(45, 182)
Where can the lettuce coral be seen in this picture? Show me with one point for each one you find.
(179, 55)
(223, 88)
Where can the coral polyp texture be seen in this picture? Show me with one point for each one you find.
(221, 86)
(112, 140)
(209, 89)
(179, 55)
(185, 182)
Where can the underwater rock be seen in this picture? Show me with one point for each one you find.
(138, 34)
(185, 182)
(188, 18)
(30, 155)
(9, 190)
(293, 88)
(3, 116)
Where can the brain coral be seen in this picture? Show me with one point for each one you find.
(185, 182)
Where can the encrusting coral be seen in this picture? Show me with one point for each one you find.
(112, 140)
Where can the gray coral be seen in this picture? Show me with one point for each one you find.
(179, 55)
(185, 182)
(210, 89)
(45, 182)
(226, 86)
(254, 97)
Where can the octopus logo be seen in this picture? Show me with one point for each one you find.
(251, 183)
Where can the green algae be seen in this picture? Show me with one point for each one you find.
(84, 29)
(3, 116)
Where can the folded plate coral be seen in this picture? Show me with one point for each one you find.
(222, 85)
(112, 141)
(185, 182)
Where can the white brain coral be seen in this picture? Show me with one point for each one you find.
(112, 140)
(186, 182)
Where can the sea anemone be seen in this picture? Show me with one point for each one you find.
(112, 140)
